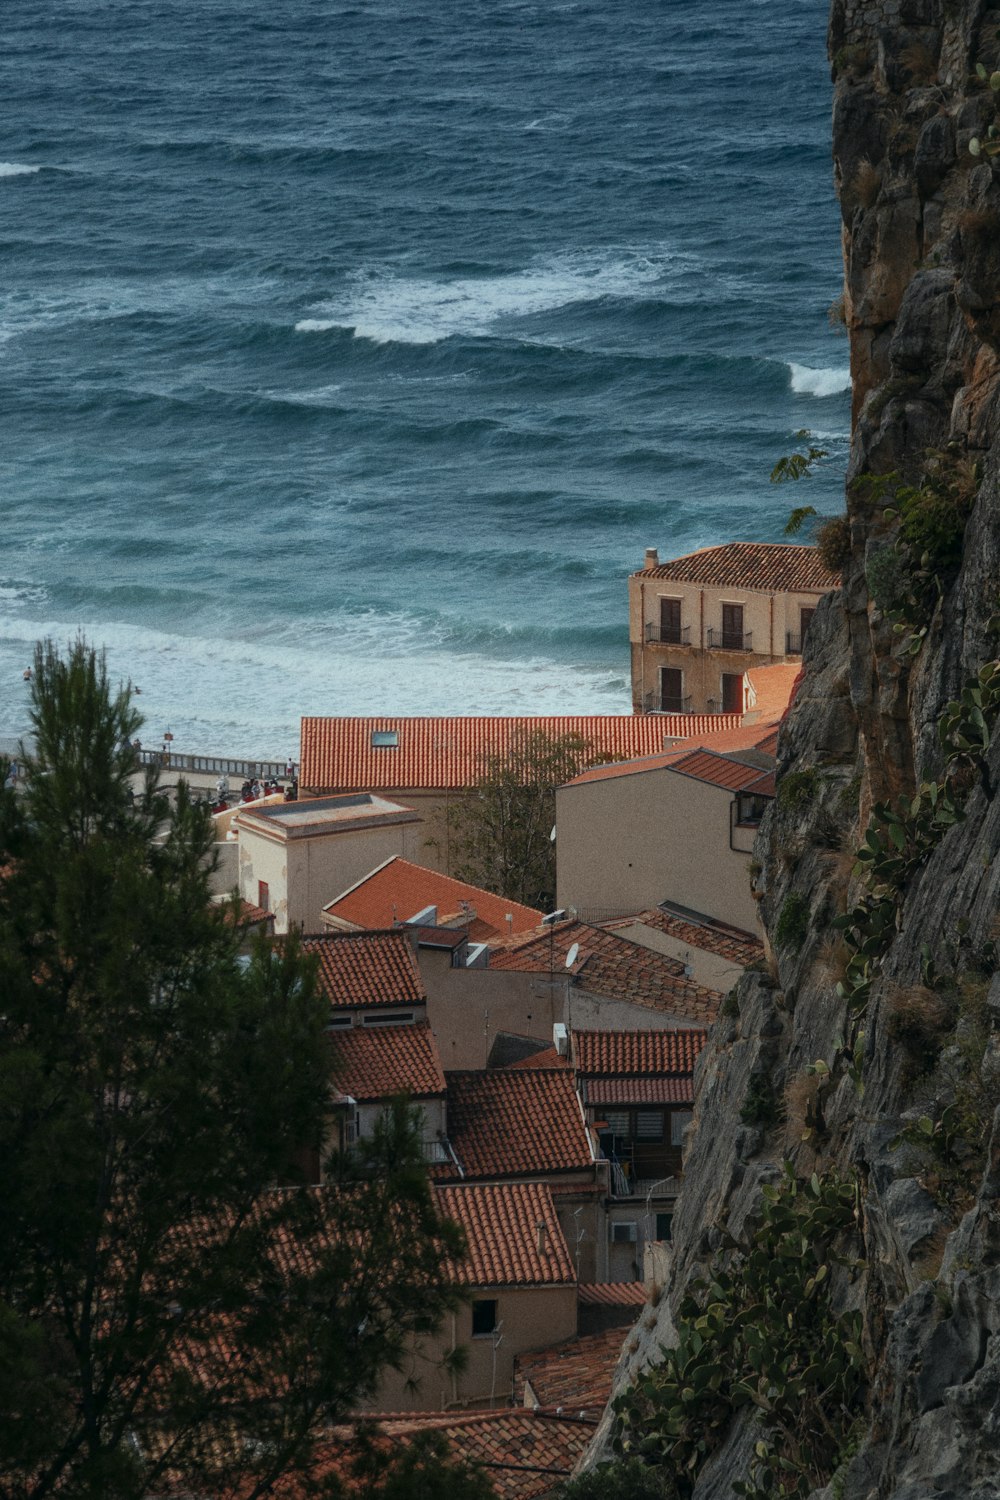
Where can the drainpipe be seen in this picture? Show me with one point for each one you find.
(642, 646)
(772, 624)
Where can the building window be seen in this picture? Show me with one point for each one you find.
(680, 1119)
(732, 627)
(663, 1226)
(396, 1018)
(263, 896)
(649, 1124)
(484, 1317)
(670, 621)
(385, 739)
(751, 808)
(805, 615)
(337, 1022)
(732, 692)
(671, 690)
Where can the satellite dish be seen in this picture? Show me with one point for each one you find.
(572, 955)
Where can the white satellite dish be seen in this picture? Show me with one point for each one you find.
(572, 955)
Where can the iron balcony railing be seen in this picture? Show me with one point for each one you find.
(667, 635)
(659, 703)
(730, 640)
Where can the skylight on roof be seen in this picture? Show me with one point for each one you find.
(385, 739)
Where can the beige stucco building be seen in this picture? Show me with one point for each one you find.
(678, 827)
(699, 623)
(296, 856)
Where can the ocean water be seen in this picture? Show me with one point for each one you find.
(351, 354)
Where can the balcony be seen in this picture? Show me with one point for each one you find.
(669, 635)
(625, 1184)
(658, 703)
(793, 644)
(730, 640)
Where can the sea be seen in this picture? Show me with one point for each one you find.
(352, 354)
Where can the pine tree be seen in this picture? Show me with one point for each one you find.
(176, 1312)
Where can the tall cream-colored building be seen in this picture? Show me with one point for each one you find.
(699, 623)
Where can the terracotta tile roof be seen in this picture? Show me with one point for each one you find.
(772, 689)
(759, 567)
(717, 770)
(760, 736)
(375, 1062)
(573, 1376)
(610, 965)
(712, 937)
(501, 1228)
(624, 1054)
(361, 969)
(524, 1454)
(618, 1091)
(450, 753)
(547, 1058)
(398, 890)
(508, 1123)
(611, 1293)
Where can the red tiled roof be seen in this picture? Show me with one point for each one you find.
(773, 689)
(509, 1124)
(760, 567)
(610, 965)
(717, 770)
(524, 1454)
(725, 942)
(760, 736)
(375, 1062)
(450, 753)
(611, 1293)
(397, 890)
(501, 1228)
(367, 968)
(624, 1054)
(619, 1091)
(547, 1058)
(572, 1376)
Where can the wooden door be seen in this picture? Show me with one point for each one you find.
(732, 627)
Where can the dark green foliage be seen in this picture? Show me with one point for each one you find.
(421, 1469)
(761, 1330)
(625, 1479)
(761, 1105)
(501, 832)
(793, 922)
(160, 1299)
(797, 789)
(798, 466)
(833, 543)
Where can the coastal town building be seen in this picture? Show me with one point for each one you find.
(293, 856)
(428, 764)
(400, 891)
(714, 953)
(521, 1285)
(675, 827)
(699, 623)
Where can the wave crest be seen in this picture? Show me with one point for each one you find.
(826, 382)
(17, 169)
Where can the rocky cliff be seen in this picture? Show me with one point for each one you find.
(867, 1053)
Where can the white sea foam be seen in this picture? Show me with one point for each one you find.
(17, 169)
(244, 695)
(418, 310)
(827, 382)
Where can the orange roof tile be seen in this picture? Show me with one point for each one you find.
(375, 1062)
(450, 753)
(507, 1123)
(761, 737)
(602, 1092)
(610, 965)
(359, 969)
(501, 1229)
(611, 1293)
(575, 1375)
(773, 690)
(621, 1054)
(718, 770)
(398, 890)
(523, 1453)
(712, 937)
(547, 1058)
(759, 567)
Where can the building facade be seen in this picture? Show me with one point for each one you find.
(699, 623)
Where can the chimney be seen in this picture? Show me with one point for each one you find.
(540, 1227)
(652, 558)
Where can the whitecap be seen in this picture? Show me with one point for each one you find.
(807, 381)
(17, 169)
(419, 310)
